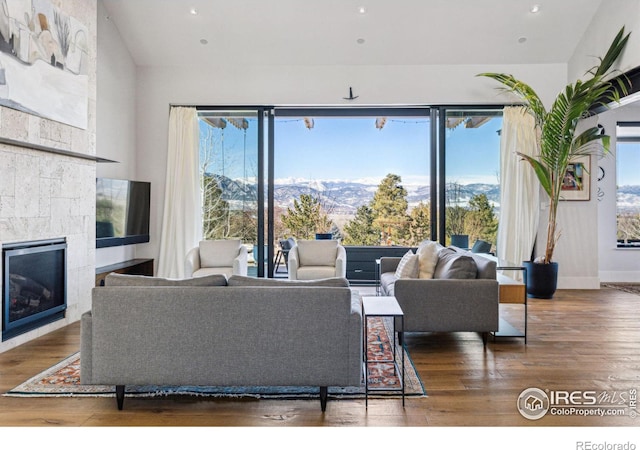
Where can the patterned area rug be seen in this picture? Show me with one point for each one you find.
(632, 288)
(63, 379)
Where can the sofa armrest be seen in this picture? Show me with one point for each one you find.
(341, 262)
(294, 263)
(192, 262)
(389, 264)
(241, 262)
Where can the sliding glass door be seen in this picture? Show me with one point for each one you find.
(367, 176)
(470, 175)
(231, 180)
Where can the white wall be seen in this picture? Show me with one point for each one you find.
(580, 247)
(116, 112)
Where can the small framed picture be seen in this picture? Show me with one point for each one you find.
(576, 184)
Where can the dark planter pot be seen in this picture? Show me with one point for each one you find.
(542, 279)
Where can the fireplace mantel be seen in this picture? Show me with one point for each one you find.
(57, 151)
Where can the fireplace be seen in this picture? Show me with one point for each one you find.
(34, 285)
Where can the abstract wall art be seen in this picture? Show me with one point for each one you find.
(43, 61)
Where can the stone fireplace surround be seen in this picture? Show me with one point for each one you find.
(46, 195)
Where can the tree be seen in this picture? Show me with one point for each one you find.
(306, 218)
(389, 207)
(420, 223)
(360, 230)
(215, 210)
(480, 221)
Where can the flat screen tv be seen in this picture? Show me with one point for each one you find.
(122, 212)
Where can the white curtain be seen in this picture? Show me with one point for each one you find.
(182, 221)
(519, 189)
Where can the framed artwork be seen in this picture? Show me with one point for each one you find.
(577, 181)
(43, 61)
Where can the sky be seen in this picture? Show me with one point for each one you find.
(353, 149)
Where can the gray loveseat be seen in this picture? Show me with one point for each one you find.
(207, 331)
(446, 305)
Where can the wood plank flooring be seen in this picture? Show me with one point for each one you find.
(580, 340)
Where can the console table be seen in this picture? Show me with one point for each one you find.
(382, 306)
(139, 266)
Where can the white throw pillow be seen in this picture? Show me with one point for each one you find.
(408, 266)
(428, 258)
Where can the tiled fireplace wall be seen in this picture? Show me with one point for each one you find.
(45, 195)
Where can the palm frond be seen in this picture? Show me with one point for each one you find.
(559, 145)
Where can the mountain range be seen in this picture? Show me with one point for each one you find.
(344, 197)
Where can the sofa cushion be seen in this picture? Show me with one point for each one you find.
(118, 279)
(408, 266)
(455, 266)
(428, 258)
(219, 252)
(317, 253)
(239, 280)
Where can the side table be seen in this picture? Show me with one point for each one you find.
(513, 293)
(382, 306)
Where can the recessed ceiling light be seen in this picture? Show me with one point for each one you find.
(535, 9)
(193, 12)
(360, 41)
(522, 40)
(204, 41)
(362, 9)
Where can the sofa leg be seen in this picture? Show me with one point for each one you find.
(485, 338)
(120, 396)
(324, 393)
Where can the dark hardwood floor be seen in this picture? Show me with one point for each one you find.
(582, 340)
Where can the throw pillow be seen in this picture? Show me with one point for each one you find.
(119, 279)
(317, 253)
(219, 252)
(428, 258)
(239, 280)
(455, 266)
(408, 266)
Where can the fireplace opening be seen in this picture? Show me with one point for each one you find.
(34, 285)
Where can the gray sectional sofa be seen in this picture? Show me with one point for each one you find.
(214, 332)
(447, 303)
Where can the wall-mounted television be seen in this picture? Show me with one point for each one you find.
(122, 212)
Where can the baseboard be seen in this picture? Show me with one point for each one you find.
(578, 283)
(619, 276)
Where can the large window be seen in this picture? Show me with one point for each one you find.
(628, 184)
(362, 177)
(367, 176)
(229, 171)
(471, 199)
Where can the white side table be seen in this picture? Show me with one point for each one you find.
(382, 306)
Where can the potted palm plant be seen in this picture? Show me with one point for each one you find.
(559, 146)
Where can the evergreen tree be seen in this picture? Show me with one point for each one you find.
(480, 221)
(306, 218)
(360, 230)
(420, 223)
(389, 207)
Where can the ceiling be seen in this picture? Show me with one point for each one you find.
(335, 32)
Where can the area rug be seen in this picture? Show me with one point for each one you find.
(632, 288)
(63, 379)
